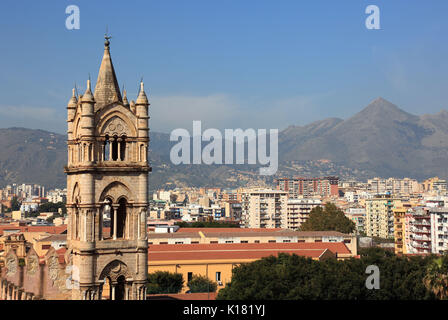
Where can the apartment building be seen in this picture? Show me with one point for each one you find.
(400, 230)
(418, 238)
(299, 210)
(439, 229)
(380, 217)
(393, 185)
(265, 209)
(358, 216)
(308, 187)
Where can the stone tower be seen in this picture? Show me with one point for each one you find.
(107, 196)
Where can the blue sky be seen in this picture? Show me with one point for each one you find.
(234, 63)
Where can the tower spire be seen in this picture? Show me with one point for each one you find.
(142, 98)
(107, 90)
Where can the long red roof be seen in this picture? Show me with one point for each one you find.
(167, 252)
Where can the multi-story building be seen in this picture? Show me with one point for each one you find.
(439, 229)
(400, 230)
(379, 216)
(57, 195)
(300, 186)
(393, 185)
(417, 239)
(265, 209)
(299, 211)
(358, 216)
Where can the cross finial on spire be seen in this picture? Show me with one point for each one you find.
(107, 38)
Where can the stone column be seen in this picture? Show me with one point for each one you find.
(139, 227)
(115, 208)
(85, 226)
(119, 150)
(110, 150)
(113, 291)
(4, 286)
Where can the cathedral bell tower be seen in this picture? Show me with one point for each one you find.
(107, 189)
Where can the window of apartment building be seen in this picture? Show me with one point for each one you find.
(189, 276)
(179, 242)
(347, 241)
(213, 241)
(194, 242)
(149, 242)
(163, 242)
(244, 241)
(316, 240)
(229, 241)
(218, 276)
(300, 240)
(285, 241)
(272, 241)
(257, 241)
(46, 246)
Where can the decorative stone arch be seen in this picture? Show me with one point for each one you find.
(116, 121)
(116, 274)
(114, 269)
(76, 194)
(76, 127)
(115, 191)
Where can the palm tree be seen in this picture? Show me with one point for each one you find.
(436, 278)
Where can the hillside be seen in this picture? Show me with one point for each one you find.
(380, 140)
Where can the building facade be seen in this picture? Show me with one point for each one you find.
(380, 217)
(299, 211)
(265, 209)
(307, 187)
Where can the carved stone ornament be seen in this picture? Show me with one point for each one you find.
(116, 127)
(53, 267)
(32, 264)
(11, 265)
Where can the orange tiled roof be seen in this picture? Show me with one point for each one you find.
(166, 252)
(222, 230)
(49, 229)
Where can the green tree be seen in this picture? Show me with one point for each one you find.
(292, 277)
(53, 207)
(15, 204)
(436, 278)
(329, 218)
(201, 284)
(164, 282)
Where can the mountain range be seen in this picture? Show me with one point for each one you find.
(380, 140)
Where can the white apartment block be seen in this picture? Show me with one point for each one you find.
(299, 210)
(439, 229)
(57, 195)
(418, 231)
(265, 209)
(394, 185)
